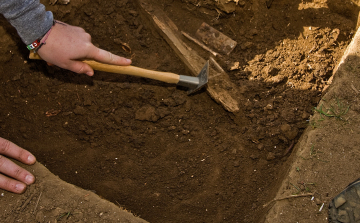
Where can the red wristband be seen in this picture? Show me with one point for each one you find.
(35, 44)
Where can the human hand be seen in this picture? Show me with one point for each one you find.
(19, 176)
(66, 45)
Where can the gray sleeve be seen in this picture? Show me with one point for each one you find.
(29, 18)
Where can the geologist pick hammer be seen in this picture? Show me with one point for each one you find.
(192, 83)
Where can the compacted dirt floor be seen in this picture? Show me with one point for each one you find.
(148, 146)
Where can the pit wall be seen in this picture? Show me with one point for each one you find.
(326, 158)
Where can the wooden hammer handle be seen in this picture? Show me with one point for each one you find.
(129, 70)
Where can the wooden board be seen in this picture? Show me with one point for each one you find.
(219, 86)
(215, 39)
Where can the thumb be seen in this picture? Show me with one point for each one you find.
(80, 68)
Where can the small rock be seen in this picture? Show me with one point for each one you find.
(56, 212)
(236, 163)
(40, 217)
(271, 71)
(235, 66)
(358, 191)
(185, 132)
(270, 156)
(260, 146)
(78, 215)
(25, 136)
(179, 98)
(343, 216)
(269, 107)
(79, 110)
(146, 113)
(275, 80)
(246, 45)
(339, 201)
(64, 2)
(67, 113)
(305, 115)
(241, 3)
(172, 128)
(305, 86)
(133, 13)
(357, 213)
(188, 105)
(289, 132)
(87, 102)
(162, 112)
(226, 6)
(169, 102)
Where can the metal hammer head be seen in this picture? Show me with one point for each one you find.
(195, 83)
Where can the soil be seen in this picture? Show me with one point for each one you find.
(325, 160)
(148, 146)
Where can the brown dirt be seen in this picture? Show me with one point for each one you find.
(166, 156)
(52, 200)
(326, 157)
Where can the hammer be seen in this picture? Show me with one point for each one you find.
(192, 83)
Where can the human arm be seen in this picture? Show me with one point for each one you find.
(13, 178)
(65, 46)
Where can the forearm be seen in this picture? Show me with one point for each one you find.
(29, 18)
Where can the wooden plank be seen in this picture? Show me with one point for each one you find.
(220, 88)
(214, 38)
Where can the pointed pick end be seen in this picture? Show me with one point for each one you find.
(203, 78)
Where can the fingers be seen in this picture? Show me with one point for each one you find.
(9, 149)
(104, 56)
(80, 68)
(10, 169)
(11, 185)
(16, 177)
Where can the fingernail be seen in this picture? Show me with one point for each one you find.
(20, 187)
(31, 158)
(128, 60)
(29, 179)
(89, 73)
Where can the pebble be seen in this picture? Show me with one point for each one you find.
(146, 113)
(270, 156)
(172, 128)
(260, 146)
(87, 102)
(188, 105)
(40, 216)
(289, 132)
(79, 110)
(339, 201)
(236, 163)
(357, 213)
(343, 216)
